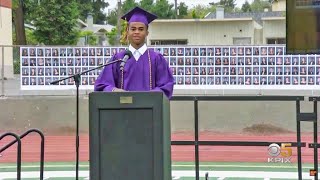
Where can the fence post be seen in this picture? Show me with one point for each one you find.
(2, 73)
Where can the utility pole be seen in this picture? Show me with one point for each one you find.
(119, 23)
(176, 8)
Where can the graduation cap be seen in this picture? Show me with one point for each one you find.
(138, 14)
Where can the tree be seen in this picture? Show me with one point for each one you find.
(128, 5)
(96, 7)
(56, 22)
(18, 21)
(90, 37)
(31, 39)
(259, 5)
(112, 18)
(199, 11)
(183, 10)
(194, 14)
(146, 4)
(163, 9)
(228, 5)
(85, 7)
(23, 12)
(112, 36)
(246, 7)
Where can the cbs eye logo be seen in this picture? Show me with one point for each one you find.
(275, 150)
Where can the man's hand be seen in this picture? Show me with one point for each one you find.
(118, 90)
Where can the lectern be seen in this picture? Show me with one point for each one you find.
(129, 136)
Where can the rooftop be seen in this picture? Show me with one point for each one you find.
(256, 16)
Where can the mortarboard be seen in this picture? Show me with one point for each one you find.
(139, 15)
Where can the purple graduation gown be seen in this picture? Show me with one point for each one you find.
(136, 74)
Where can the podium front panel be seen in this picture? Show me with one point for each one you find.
(129, 136)
(126, 143)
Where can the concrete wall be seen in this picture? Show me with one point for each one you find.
(258, 33)
(274, 28)
(57, 115)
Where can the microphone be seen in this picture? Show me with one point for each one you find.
(127, 56)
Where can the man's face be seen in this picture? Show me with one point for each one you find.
(137, 32)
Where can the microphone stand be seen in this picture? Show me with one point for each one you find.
(77, 78)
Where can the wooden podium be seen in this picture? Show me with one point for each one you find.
(129, 136)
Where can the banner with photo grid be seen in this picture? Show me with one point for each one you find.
(193, 67)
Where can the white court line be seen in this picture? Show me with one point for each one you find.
(242, 174)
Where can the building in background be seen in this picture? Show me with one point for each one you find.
(220, 28)
(6, 38)
(99, 30)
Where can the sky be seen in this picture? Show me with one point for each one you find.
(189, 3)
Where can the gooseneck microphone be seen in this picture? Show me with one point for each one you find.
(127, 56)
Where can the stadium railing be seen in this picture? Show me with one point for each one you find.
(18, 151)
(300, 117)
(18, 139)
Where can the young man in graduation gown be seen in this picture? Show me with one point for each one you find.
(146, 70)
